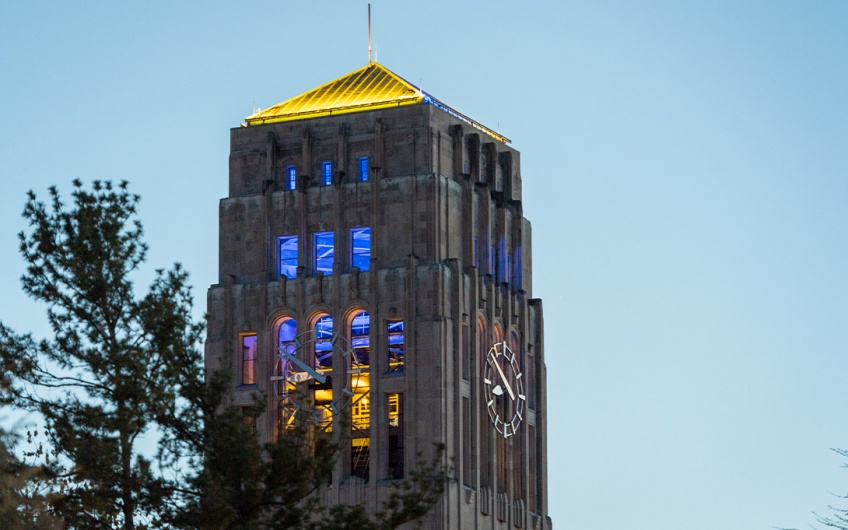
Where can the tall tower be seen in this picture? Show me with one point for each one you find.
(375, 277)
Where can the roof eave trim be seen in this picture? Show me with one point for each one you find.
(456, 114)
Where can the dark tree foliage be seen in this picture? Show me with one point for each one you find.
(22, 504)
(239, 484)
(106, 373)
(119, 365)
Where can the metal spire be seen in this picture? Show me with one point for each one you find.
(370, 58)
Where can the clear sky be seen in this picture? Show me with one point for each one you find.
(685, 168)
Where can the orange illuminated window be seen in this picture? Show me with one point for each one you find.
(248, 359)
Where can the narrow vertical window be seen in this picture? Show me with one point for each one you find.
(360, 248)
(492, 260)
(468, 474)
(360, 442)
(486, 452)
(517, 272)
(503, 262)
(322, 392)
(533, 478)
(324, 248)
(395, 408)
(466, 352)
(360, 385)
(291, 177)
(360, 328)
(324, 343)
(363, 169)
(518, 449)
(531, 378)
(285, 385)
(475, 259)
(248, 417)
(248, 359)
(327, 174)
(394, 330)
(288, 256)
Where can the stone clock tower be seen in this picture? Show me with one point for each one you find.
(375, 277)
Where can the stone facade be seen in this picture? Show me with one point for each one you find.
(449, 257)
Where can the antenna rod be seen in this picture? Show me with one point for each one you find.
(369, 35)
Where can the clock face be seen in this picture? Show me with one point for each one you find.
(503, 389)
(312, 378)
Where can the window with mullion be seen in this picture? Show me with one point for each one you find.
(396, 344)
(327, 174)
(248, 359)
(324, 252)
(288, 256)
(291, 177)
(360, 248)
(363, 169)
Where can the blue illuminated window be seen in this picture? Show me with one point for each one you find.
(324, 342)
(363, 169)
(360, 247)
(324, 252)
(327, 174)
(286, 347)
(394, 329)
(288, 256)
(492, 260)
(360, 326)
(287, 334)
(503, 262)
(475, 258)
(291, 177)
(517, 273)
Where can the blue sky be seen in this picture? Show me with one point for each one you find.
(685, 168)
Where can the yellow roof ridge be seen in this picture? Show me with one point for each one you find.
(369, 88)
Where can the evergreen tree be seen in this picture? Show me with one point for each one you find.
(106, 374)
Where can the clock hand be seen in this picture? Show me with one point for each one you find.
(305, 367)
(505, 382)
(498, 391)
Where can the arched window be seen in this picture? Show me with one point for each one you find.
(286, 347)
(360, 433)
(360, 327)
(285, 371)
(323, 333)
(286, 335)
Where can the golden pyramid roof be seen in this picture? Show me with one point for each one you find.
(369, 88)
